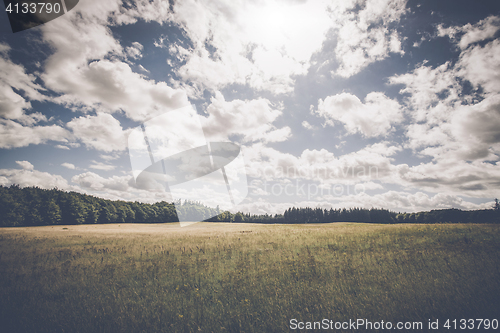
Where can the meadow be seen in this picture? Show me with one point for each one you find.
(236, 277)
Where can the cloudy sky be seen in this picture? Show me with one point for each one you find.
(347, 103)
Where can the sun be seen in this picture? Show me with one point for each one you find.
(273, 23)
(290, 28)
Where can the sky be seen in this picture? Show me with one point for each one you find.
(380, 103)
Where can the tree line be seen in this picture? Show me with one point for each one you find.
(33, 206)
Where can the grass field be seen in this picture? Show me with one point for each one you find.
(214, 277)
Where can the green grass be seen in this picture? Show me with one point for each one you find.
(243, 278)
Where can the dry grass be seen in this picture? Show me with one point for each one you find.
(216, 277)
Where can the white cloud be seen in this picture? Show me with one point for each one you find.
(367, 35)
(426, 135)
(306, 125)
(464, 148)
(102, 132)
(92, 181)
(167, 135)
(143, 69)
(112, 86)
(368, 164)
(29, 177)
(4, 48)
(456, 127)
(85, 65)
(368, 186)
(77, 37)
(102, 166)
(373, 118)
(449, 176)
(263, 44)
(68, 165)
(484, 29)
(481, 66)
(251, 119)
(430, 90)
(451, 125)
(112, 188)
(25, 165)
(372, 167)
(267, 44)
(118, 188)
(109, 157)
(477, 129)
(135, 50)
(68, 145)
(13, 104)
(15, 135)
(470, 34)
(146, 10)
(32, 118)
(395, 43)
(276, 135)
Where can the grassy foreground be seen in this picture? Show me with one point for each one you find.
(212, 277)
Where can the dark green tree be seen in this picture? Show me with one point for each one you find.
(238, 217)
(51, 213)
(73, 211)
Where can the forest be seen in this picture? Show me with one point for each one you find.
(33, 206)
